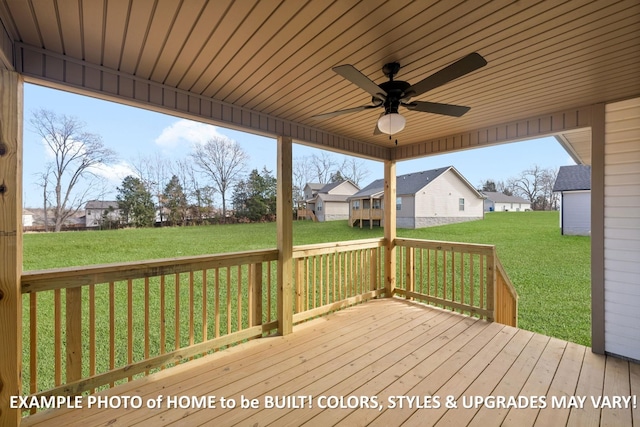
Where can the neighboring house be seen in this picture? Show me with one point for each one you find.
(27, 218)
(499, 202)
(574, 185)
(424, 199)
(97, 211)
(330, 201)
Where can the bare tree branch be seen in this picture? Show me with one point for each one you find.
(75, 152)
(224, 161)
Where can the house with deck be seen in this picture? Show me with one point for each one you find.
(383, 80)
(574, 185)
(499, 202)
(423, 199)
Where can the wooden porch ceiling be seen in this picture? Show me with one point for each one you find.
(384, 348)
(273, 58)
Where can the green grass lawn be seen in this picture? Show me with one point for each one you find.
(550, 272)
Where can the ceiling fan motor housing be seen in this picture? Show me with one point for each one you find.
(395, 90)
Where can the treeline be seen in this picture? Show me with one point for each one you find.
(534, 184)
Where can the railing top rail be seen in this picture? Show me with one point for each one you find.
(70, 277)
(326, 248)
(443, 245)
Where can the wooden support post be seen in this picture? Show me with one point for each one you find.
(390, 226)
(284, 219)
(11, 108)
(255, 285)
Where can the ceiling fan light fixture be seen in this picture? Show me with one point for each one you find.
(391, 123)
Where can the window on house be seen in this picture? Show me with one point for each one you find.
(377, 203)
(319, 206)
(356, 204)
(461, 204)
(398, 203)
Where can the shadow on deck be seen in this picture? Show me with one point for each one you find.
(351, 367)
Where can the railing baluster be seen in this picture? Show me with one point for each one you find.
(453, 276)
(239, 298)
(163, 318)
(57, 337)
(130, 323)
(176, 312)
(327, 281)
(462, 278)
(314, 285)
(217, 303)
(256, 294)
(112, 327)
(33, 345)
(228, 300)
(482, 278)
(472, 280)
(268, 291)
(205, 319)
(299, 281)
(146, 321)
(191, 309)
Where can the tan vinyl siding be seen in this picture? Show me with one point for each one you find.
(622, 229)
(441, 198)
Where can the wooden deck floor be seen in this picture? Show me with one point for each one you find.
(378, 350)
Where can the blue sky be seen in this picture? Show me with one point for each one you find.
(133, 132)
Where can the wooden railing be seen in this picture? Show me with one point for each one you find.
(87, 328)
(461, 277)
(92, 327)
(331, 276)
(361, 215)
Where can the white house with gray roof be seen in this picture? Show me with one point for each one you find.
(328, 202)
(574, 185)
(424, 199)
(97, 211)
(500, 202)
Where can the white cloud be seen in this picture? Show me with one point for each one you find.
(114, 173)
(185, 133)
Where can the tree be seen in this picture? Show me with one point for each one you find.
(176, 201)
(323, 167)
(43, 181)
(302, 174)
(154, 171)
(136, 202)
(536, 185)
(223, 160)
(337, 177)
(489, 185)
(76, 153)
(255, 197)
(354, 170)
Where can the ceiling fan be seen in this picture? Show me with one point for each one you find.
(393, 94)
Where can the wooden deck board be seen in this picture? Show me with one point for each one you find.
(382, 348)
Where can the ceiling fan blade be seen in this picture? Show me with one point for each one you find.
(352, 74)
(463, 66)
(437, 108)
(347, 111)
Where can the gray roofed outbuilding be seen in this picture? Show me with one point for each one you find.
(573, 178)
